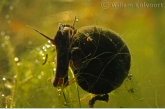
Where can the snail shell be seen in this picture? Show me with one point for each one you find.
(101, 59)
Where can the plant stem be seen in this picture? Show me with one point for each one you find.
(76, 86)
(11, 57)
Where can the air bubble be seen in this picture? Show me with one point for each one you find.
(45, 50)
(3, 95)
(54, 69)
(41, 52)
(132, 90)
(8, 21)
(76, 20)
(43, 47)
(53, 62)
(3, 44)
(39, 76)
(11, 7)
(18, 64)
(59, 89)
(2, 33)
(4, 79)
(43, 58)
(36, 61)
(7, 16)
(129, 75)
(42, 73)
(49, 41)
(59, 94)
(29, 42)
(38, 49)
(7, 37)
(15, 76)
(141, 99)
(47, 46)
(16, 59)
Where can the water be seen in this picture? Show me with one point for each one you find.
(23, 51)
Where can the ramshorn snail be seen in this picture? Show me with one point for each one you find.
(98, 56)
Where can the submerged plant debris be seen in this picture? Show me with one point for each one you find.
(26, 83)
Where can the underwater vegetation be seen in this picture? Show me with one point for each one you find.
(28, 62)
(98, 57)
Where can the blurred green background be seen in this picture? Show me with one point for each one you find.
(25, 82)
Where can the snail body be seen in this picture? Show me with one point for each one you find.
(98, 56)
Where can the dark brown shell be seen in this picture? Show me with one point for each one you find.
(101, 59)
